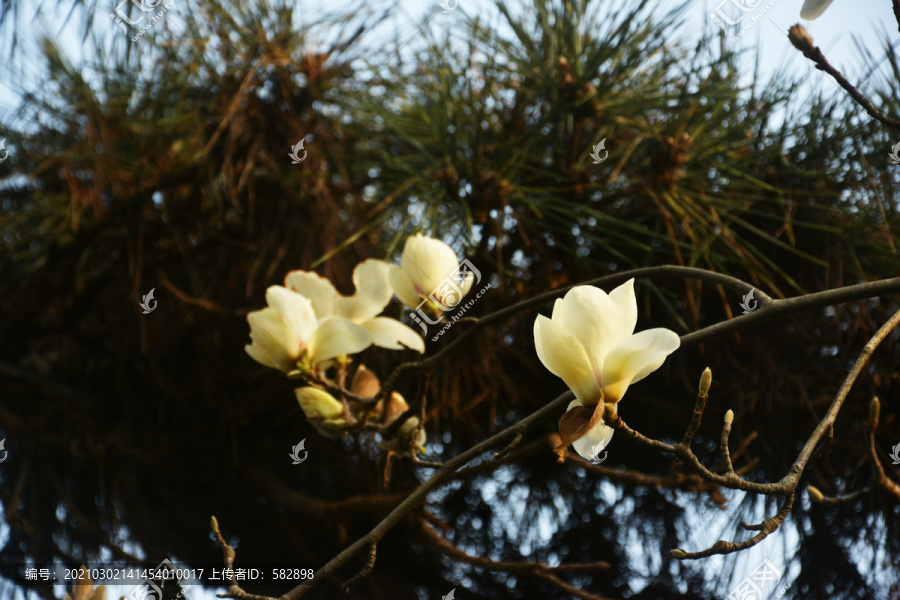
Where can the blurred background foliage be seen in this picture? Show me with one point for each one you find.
(163, 164)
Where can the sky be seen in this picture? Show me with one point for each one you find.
(867, 20)
(834, 32)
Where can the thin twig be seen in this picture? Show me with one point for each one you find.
(723, 442)
(880, 478)
(364, 572)
(417, 496)
(335, 390)
(769, 309)
(803, 42)
(617, 278)
(765, 529)
(511, 446)
(699, 406)
(228, 554)
(839, 500)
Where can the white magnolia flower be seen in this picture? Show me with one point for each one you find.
(287, 335)
(597, 436)
(429, 267)
(813, 9)
(373, 293)
(590, 343)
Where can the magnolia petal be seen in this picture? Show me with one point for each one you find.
(373, 292)
(318, 403)
(623, 297)
(258, 354)
(593, 443)
(594, 319)
(336, 337)
(318, 290)
(635, 358)
(564, 356)
(272, 341)
(404, 287)
(577, 421)
(428, 262)
(393, 335)
(295, 310)
(813, 9)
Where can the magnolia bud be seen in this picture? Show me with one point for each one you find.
(705, 381)
(678, 553)
(729, 416)
(396, 406)
(814, 494)
(800, 38)
(874, 410)
(214, 524)
(318, 403)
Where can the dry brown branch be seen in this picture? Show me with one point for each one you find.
(769, 309)
(364, 572)
(803, 42)
(880, 479)
(228, 554)
(765, 528)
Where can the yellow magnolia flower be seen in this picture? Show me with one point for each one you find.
(373, 293)
(589, 342)
(287, 335)
(429, 271)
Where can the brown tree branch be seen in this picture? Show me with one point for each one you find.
(723, 547)
(723, 442)
(803, 42)
(364, 572)
(617, 278)
(417, 496)
(880, 478)
(769, 309)
(699, 407)
(228, 554)
(820, 498)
